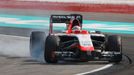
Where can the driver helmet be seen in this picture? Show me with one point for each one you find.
(76, 28)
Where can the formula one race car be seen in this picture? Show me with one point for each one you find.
(74, 43)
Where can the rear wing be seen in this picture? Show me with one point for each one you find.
(63, 19)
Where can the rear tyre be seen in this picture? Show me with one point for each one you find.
(114, 45)
(37, 41)
(51, 45)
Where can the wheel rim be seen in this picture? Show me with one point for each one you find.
(53, 57)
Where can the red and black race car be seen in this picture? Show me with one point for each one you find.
(74, 43)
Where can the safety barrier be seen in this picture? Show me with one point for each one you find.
(63, 6)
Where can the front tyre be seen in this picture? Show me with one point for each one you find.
(51, 45)
(114, 45)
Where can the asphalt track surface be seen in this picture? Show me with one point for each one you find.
(15, 60)
(14, 63)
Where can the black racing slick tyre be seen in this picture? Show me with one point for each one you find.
(51, 45)
(37, 41)
(114, 44)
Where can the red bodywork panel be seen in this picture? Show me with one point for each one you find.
(70, 31)
(70, 26)
(89, 48)
(77, 32)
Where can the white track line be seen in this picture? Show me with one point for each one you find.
(95, 70)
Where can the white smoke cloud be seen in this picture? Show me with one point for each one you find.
(14, 46)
